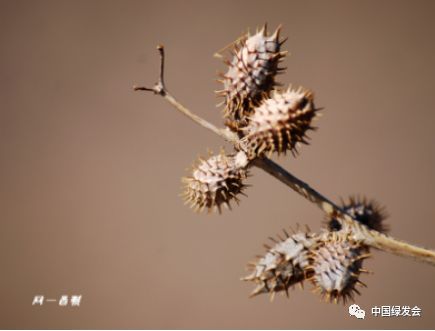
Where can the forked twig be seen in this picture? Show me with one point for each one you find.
(159, 88)
(360, 232)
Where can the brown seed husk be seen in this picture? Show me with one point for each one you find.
(215, 182)
(280, 124)
(250, 76)
(283, 264)
(335, 267)
(367, 212)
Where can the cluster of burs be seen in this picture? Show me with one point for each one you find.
(268, 119)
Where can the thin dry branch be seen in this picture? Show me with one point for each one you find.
(159, 88)
(359, 231)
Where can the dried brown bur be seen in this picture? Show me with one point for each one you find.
(215, 182)
(367, 212)
(251, 75)
(335, 267)
(283, 264)
(280, 123)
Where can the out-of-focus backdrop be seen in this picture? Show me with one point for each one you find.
(90, 170)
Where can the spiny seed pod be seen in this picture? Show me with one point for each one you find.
(216, 181)
(283, 264)
(334, 268)
(251, 74)
(280, 123)
(367, 212)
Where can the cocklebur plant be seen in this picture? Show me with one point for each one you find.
(261, 119)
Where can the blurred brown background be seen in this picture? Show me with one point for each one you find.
(90, 170)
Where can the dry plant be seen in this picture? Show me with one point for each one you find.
(261, 119)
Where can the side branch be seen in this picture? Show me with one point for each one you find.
(159, 88)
